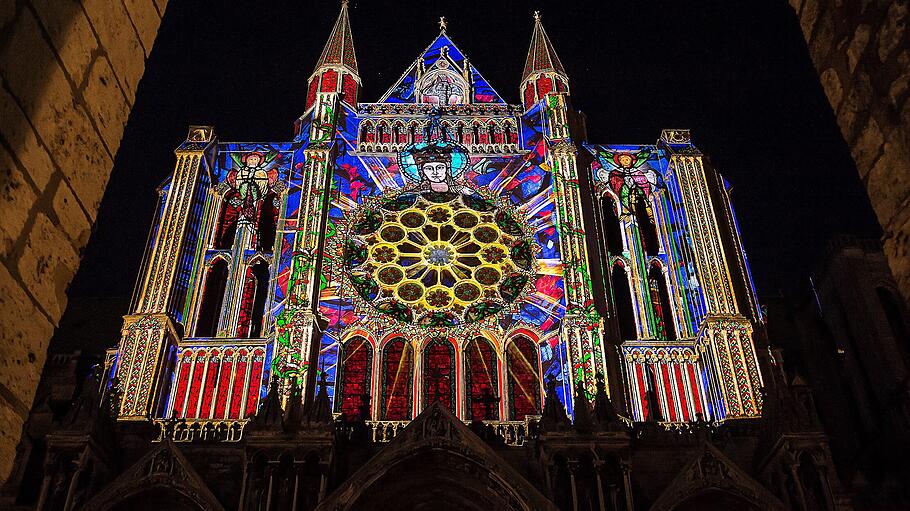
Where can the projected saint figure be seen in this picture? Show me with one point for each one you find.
(435, 165)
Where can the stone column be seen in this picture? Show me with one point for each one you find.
(726, 345)
(150, 330)
(582, 329)
(860, 50)
(68, 77)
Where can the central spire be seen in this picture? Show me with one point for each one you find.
(544, 72)
(339, 49)
(336, 70)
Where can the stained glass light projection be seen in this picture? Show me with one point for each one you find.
(438, 258)
(442, 246)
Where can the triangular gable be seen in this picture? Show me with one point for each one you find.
(403, 90)
(162, 467)
(710, 470)
(438, 429)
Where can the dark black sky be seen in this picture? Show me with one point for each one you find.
(738, 76)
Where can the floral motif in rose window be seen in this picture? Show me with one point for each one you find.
(438, 258)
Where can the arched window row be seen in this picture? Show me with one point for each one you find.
(390, 135)
(217, 382)
(665, 385)
(488, 379)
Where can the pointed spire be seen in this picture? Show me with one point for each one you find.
(321, 409)
(336, 70)
(584, 421)
(604, 413)
(339, 50)
(544, 73)
(269, 414)
(554, 416)
(542, 57)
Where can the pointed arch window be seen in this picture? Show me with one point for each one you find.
(412, 133)
(367, 133)
(439, 373)
(622, 301)
(212, 298)
(660, 303)
(646, 228)
(267, 226)
(524, 378)
(349, 88)
(482, 380)
(510, 136)
(475, 134)
(252, 303)
(544, 86)
(397, 380)
(329, 81)
(612, 227)
(529, 95)
(356, 374)
(227, 222)
(491, 133)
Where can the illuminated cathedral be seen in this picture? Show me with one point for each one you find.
(440, 298)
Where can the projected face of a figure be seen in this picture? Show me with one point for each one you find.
(435, 171)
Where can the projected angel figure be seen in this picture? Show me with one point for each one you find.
(252, 176)
(627, 174)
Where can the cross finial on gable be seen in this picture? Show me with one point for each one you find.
(443, 24)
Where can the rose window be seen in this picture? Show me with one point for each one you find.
(438, 259)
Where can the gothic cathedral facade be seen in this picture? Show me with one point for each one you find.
(443, 268)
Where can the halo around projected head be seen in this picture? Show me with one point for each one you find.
(412, 159)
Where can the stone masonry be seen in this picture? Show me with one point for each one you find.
(68, 76)
(861, 52)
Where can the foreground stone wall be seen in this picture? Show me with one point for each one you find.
(68, 76)
(862, 54)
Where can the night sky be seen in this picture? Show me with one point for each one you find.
(739, 78)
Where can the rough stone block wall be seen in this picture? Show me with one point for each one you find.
(68, 76)
(861, 50)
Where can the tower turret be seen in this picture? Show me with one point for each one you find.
(336, 70)
(543, 71)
